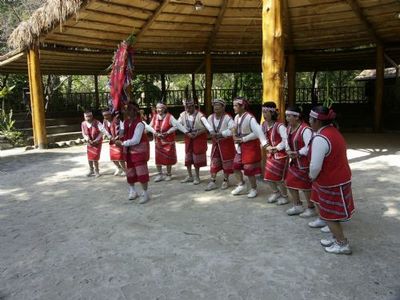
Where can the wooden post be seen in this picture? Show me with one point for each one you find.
(291, 69)
(208, 96)
(34, 134)
(37, 99)
(96, 92)
(273, 54)
(194, 92)
(379, 85)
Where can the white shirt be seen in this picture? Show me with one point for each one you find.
(307, 135)
(320, 148)
(225, 133)
(257, 132)
(137, 135)
(191, 119)
(173, 122)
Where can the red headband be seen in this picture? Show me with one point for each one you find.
(330, 116)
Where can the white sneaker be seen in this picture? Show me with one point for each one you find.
(132, 195)
(327, 242)
(224, 185)
(335, 248)
(239, 190)
(252, 193)
(211, 186)
(187, 179)
(274, 197)
(159, 178)
(282, 200)
(308, 213)
(144, 197)
(168, 177)
(117, 172)
(317, 223)
(97, 174)
(295, 210)
(196, 181)
(90, 173)
(325, 229)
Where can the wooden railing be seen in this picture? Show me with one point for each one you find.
(79, 101)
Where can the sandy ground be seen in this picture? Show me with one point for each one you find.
(63, 236)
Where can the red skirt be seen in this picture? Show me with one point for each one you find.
(116, 153)
(217, 163)
(297, 179)
(196, 151)
(251, 169)
(93, 152)
(335, 203)
(165, 153)
(275, 168)
(137, 172)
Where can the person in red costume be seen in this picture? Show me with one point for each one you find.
(247, 135)
(163, 126)
(276, 159)
(299, 136)
(113, 132)
(137, 150)
(196, 127)
(331, 178)
(92, 132)
(223, 147)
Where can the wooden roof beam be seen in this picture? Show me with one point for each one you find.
(288, 26)
(151, 20)
(359, 13)
(217, 25)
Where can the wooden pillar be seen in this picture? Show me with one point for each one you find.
(273, 53)
(208, 95)
(34, 134)
(194, 92)
(379, 85)
(37, 99)
(291, 76)
(96, 92)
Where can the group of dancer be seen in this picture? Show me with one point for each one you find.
(300, 157)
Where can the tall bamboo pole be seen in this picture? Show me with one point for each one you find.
(207, 100)
(96, 92)
(379, 85)
(37, 99)
(273, 53)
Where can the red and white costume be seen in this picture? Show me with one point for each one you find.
(248, 153)
(196, 148)
(112, 131)
(93, 131)
(165, 148)
(297, 177)
(223, 149)
(137, 151)
(276, 164)
(331, 175)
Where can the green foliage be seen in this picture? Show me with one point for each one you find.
(6, 90)
(7, 128)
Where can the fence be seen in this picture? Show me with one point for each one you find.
(80, 101)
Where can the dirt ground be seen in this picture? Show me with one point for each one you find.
(63, 236)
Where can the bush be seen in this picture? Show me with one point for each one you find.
(8, 130)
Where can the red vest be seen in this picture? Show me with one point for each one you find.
(226, 144)
(162, 126)
(141, 151)
(92, 132)
(111, 127)
(274, 138)
(296, 142)
(335, 168)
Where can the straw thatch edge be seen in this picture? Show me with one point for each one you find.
(44, 19)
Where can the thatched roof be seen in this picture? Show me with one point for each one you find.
(324, 34)
(371, 74)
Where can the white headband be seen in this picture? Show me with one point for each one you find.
(291, 112)
(271, 109)
(220, 101)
